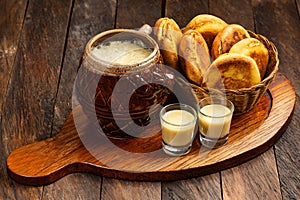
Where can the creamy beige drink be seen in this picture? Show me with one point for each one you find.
(178, 127)
(214, 115)
(214, 121)
(123, 52)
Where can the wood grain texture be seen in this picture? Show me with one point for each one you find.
(11, 21)
(119, 189)
(234, 12)
(79, 186)
(136, 13)
(183, 11)
(284, 30)
(143, 158)
(265, 185)
(88, 18)
(205, 187)
(28, 105)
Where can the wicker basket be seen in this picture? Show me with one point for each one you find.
(246, 98)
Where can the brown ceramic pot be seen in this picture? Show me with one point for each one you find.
(125, 97)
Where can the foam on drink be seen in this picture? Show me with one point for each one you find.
(123, 52)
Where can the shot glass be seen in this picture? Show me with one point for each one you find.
(178, 123)
(214, 115)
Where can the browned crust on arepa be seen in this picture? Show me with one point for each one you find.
(232, 71)
(208, 25)
(255, 49)
(226, 38)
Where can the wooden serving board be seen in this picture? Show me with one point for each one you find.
(142, 158)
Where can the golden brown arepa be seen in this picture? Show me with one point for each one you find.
(255, 49)
(194, 56)
(226, 38)
(232, 71)
(208, 25)
(168, 36)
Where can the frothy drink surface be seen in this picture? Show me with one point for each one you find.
(121, 52)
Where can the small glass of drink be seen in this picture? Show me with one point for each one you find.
(214, 114)
(178, 128)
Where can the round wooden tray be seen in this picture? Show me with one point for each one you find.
(142, 158)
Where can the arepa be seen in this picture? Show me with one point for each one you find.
(168, 36)
(194, 56)
(232, 71)
(255, 49)
(208, 25)
(226, 38)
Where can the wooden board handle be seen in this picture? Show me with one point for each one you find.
(47, 160)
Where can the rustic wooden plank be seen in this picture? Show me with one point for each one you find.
(88, 19)
(284, 30)
(75, 186)
(133, 14)
(288, 159)
(11, 20)
(205, 187)
(183, 11)
(28, 105)
(249, 181)
(240, 12)
(130, 190)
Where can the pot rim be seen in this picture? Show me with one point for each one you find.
(99, 66)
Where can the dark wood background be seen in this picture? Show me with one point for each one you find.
(41, 43)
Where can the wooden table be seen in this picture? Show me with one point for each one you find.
(41, 43)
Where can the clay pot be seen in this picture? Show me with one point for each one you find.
(123, 97)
